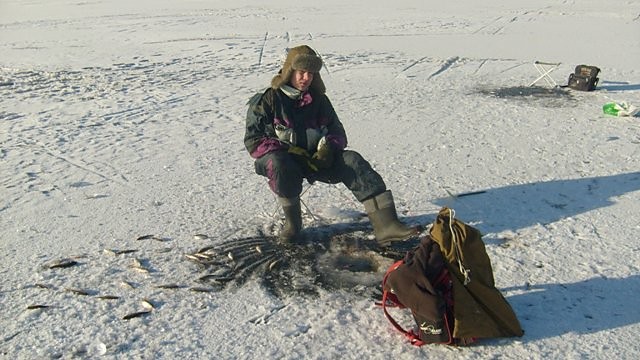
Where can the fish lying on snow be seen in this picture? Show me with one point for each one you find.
(62, 263)
(346, 260)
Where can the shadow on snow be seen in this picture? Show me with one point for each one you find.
(585, 307)
(519, 206)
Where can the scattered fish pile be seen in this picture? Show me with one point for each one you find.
(342, 260)
(136, 265)
(237, 259)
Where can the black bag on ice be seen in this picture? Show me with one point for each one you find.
(585, 78)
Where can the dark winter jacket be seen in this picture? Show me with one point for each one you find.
(276, 121)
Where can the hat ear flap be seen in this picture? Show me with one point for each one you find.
(283, 76)
(317, 85)
(277, 82)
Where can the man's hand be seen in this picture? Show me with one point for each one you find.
(304, 155)
(298, 151)
(323, 158)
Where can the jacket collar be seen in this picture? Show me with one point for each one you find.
(291, 92)
(303, 98)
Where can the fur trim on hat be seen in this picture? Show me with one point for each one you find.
(307, 62)
(300, 58)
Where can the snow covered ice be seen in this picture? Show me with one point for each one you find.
(120, 119)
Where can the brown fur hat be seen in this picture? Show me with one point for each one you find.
(300, 58)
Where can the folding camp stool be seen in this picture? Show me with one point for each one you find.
(545, 68)
(302, 203)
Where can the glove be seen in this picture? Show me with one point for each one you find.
(296, 150)
(323, 158)
(303, 155)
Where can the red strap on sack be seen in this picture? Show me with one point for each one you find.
(414, 339)
(389, 299)
(390, 296)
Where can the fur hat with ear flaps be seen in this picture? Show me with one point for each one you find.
(300, 58)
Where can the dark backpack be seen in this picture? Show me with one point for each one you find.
(447, 283)
(585, 78)
(421, 283)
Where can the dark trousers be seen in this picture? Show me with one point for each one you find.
(286, 172)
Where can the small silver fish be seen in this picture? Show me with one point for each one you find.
(202, 256)
(273, 264)
(201, 289)
(201, 236)
(115, 252)
(152, 237)
(147, 304)
(127, 285)
(259, 249)
(108, 297)
(136, 314)
(97, 196)
(207, 277)
(37, 306)
(77, 291)
(168, 286)
(206, 249)
(192, 257)
(218, 279)
(62, 263)
(110, 252)
(140, 269)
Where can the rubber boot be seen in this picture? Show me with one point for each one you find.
(292, 220)
(384, 219)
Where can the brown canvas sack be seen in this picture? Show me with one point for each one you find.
(447, 283)
(480, 310)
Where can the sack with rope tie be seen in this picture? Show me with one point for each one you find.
(447, 282)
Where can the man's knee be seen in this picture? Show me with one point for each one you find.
(353, 159)
(284, 176)
(269, 164)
